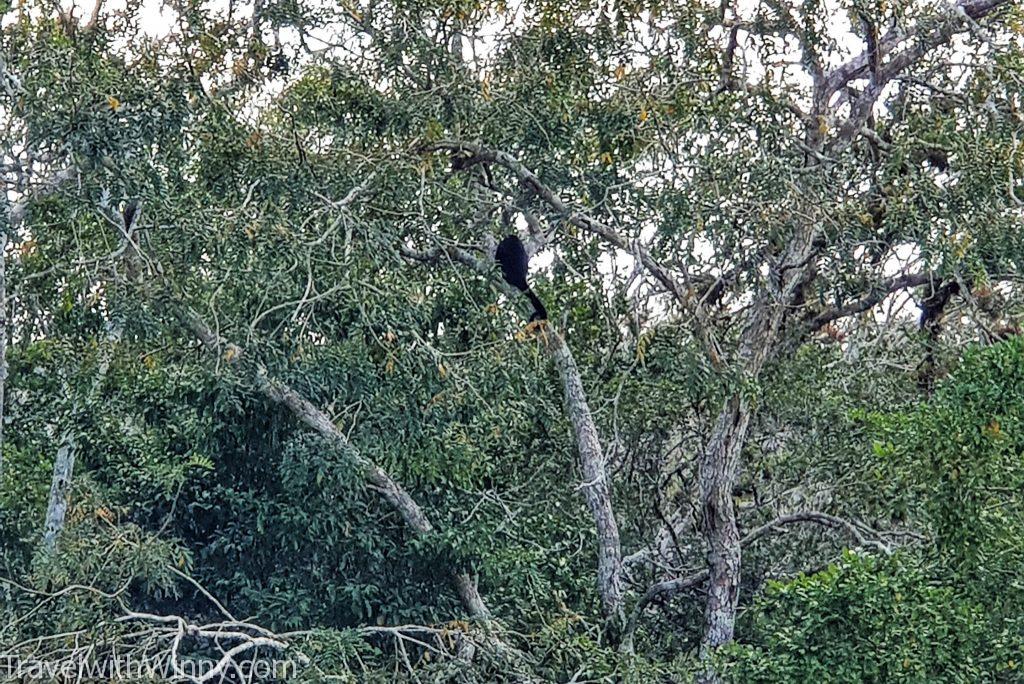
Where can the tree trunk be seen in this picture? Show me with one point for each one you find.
(720, 460)
(4, 227)
(718, 467)
(64, 463)
(596, 486)
(60, 490)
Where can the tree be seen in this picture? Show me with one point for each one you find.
(315, 357)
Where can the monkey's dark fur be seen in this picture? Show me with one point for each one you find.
(511, 255)
(128, 214)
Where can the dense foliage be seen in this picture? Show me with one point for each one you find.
(948, 610)
(785, 311)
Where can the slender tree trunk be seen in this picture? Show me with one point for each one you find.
(64, 463)
(60, 491)
(5, 219)
(718, 467)
(596, 485)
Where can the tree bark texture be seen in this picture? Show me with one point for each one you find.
(596, 486)
(60, 492)
(719, 462)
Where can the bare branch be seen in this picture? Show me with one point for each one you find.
(202, 590)
(94, 16)
(596, 485)
(686, 295)
(926, 36)
(668, 588)
(875, 295)
(178, 628)
(879, 292)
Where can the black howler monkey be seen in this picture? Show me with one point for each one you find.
(129, 215)
(514, 266)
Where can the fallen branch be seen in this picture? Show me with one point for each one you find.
(246, 637)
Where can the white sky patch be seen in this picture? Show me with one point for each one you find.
(155, 17)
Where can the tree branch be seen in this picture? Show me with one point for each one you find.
(596, 486)
(687, 295)
(668, 588)
(283, 395)
(926, 36)
(877, 293)
(927, 40)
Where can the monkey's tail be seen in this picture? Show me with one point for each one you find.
(539, 312)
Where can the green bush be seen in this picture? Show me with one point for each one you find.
(869, 619)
